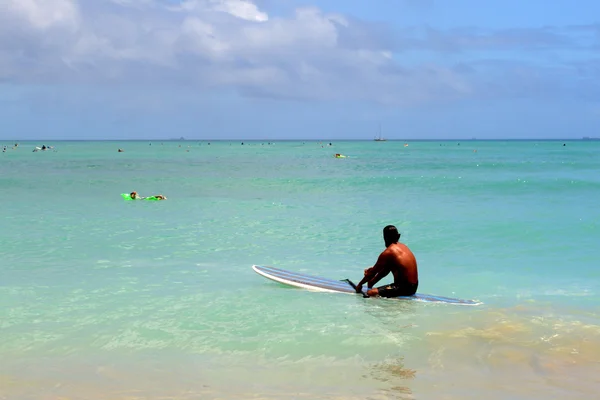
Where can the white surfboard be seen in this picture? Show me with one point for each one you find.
(319, 284)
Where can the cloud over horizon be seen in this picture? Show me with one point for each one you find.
(310, 55)
(194, 61)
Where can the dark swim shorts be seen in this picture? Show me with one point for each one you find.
(393, 290)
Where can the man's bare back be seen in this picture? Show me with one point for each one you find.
(397, 259)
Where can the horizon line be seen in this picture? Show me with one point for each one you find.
(303, 140)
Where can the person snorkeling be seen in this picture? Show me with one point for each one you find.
(135, 196)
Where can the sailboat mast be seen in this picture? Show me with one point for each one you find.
(379, 138)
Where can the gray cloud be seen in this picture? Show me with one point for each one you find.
(237, 44)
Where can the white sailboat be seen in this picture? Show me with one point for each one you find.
(380, 138)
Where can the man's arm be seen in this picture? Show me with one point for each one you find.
(377, 269)
(380, 275)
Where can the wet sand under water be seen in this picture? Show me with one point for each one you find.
(493, 354)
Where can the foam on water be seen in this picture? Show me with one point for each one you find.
(103, 298)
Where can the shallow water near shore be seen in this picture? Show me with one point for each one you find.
(106, 298)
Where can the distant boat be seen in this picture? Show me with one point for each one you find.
(380, 138)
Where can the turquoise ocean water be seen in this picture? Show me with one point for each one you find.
(105, 298)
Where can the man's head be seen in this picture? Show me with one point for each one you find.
(390, 235)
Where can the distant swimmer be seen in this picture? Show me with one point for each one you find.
(135, 196)
(338, 155)
(397, 259)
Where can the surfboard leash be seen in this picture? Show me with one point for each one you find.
(354, 287)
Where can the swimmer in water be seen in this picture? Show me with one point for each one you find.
(136, 196)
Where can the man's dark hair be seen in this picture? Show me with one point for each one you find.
(390, 234)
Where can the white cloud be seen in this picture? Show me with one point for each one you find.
(241, 8)
(41, 14)
(201, 38)
(233, 43)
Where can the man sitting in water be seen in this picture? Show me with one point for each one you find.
(397, 259)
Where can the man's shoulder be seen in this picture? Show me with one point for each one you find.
(389, 251)
(401, 246)
(397, 249)
(394, 247)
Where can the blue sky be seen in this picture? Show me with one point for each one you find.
(285, 69)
